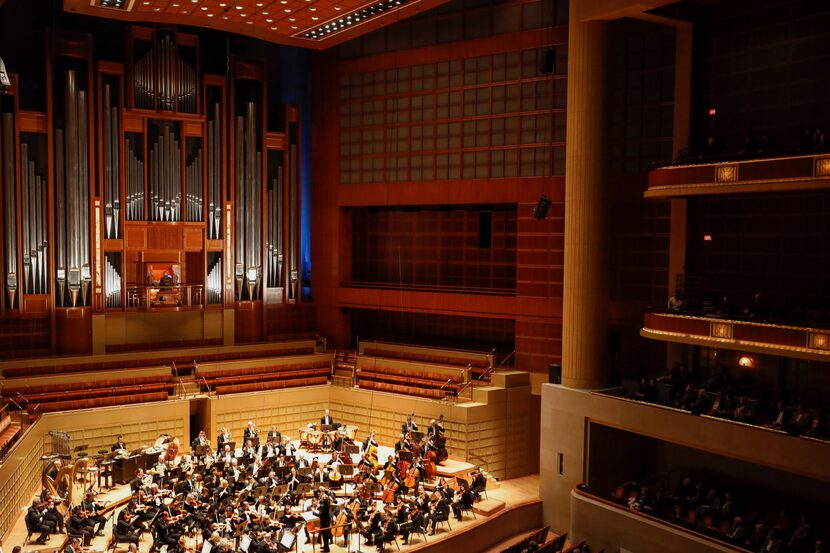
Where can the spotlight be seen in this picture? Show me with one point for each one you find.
(746, 362)
(4, 78)
(542, 207)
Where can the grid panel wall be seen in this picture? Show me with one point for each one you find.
(490, 116)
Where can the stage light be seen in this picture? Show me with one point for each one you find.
(542, 207)
(746, 362)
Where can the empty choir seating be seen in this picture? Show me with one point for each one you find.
(406, 377)
(107, 401)
(265, 374)
(288, 348)
(271, 385)
(8, 431)
(478, 361)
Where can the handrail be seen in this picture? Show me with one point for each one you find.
(579, 490)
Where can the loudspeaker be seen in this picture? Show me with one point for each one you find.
(546, 60)
(542, 206)
(555, 373)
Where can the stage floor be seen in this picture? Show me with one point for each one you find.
(509, 491)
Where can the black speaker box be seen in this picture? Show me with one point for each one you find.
(555, 373)
(542, 207)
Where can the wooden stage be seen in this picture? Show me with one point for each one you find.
(499, 496)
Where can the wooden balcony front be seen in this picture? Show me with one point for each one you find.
(743, 335)
(803, 172)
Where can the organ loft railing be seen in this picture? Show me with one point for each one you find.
(147, 185)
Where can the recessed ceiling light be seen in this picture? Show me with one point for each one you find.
(337, 8)
(243, 15)
(314, 18)
(269, 20)
(287, 10)
(239, 7)
(175, 5)
(204, 8)
(294, 27)
(210, 15)
(224, 17)
(291, 19)
(274, 28)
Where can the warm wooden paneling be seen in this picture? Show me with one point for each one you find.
(73, 329)
(136, 238)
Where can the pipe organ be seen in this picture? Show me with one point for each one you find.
(184, 179)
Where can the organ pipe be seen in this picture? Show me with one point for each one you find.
(193, 180)
(248, 181)
(112, 176)
(9, 206)
(72, 196)
(164, 81)
(112, 284)
(214, 147)
(293, 212)
(165, 176)
(135, 180)
(34, 222)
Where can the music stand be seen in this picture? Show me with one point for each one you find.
(201, 450)
(254, 441)
(405, 455)
(325, 428)
(353, 449)
(287, 540)
(279, 490)
(415, 435)
(305, 471)
(302, 488)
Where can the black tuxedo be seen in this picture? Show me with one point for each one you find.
(324, 514)
(326, 419)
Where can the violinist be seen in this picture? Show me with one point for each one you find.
(250, 431)
(124, 531)
(374, 520)
(479, 484)
(226, 456)
(386, 532)
(288, 449)
(119, 444)
(159, 469)
(73, 546)
(167, 531)
(78, 524)
(439, 511)
(196, 515)
(293, 479)
(35, 522)
(50, 512)
(137, 483)
(185, 485)
(463, 499)
(92, 508)
(414, 520)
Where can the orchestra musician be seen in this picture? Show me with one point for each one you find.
(119, 444)
(479, 484)
(369, 441)
(50, 512)
(78, 524)
(387, 530)
(124, 530)
(326, 419)
(338, 442)
(200, 441)
(323, 512)
(223, 437)
(36, 523)
(92, 508)
(463, 499)
(73, 546)
(250, 431)
(410, 425)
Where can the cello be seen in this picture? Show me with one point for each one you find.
(388, 495)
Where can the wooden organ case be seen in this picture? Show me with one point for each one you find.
(147, 186)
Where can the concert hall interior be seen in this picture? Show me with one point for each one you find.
(493, 276)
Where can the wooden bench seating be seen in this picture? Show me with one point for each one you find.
(182, 360)
(255, 374)
(70, 395)
(429, 383)
(8, 434)
(12, 388)
(271, 385)
(270, 377)
(479, 362)
(90, 403)
(414, 378)
(428, 358)
(402, 389)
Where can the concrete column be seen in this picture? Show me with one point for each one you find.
(586, 283)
